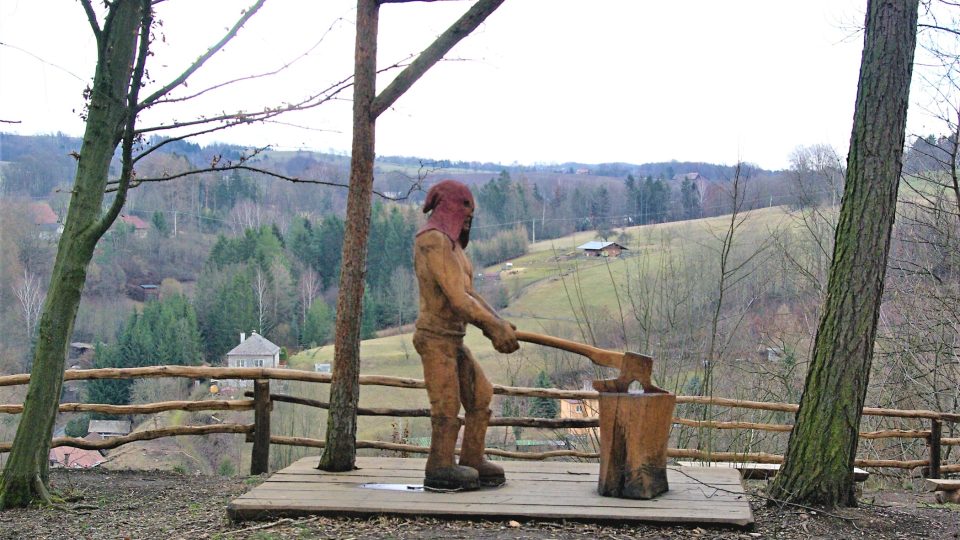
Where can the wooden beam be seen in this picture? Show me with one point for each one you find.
(933, 441)
(148, 435)
(260, 455)
(403, 382)
(147, 408)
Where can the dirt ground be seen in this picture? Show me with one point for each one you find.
(165, 505)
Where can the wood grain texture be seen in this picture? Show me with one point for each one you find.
(550, 491)
(634, 430)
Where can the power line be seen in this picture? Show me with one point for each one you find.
(41, 60)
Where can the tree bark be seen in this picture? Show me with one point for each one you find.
(818, 466)
(341, 449)
(26, 472)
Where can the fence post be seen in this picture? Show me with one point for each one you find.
(260, 456)
(933, 469)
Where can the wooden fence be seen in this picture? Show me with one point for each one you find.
(262, 403)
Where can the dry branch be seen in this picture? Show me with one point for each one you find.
(432, 54)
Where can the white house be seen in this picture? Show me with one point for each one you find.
(109, 428)
(253, 351)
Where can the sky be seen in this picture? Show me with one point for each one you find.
(541, 81)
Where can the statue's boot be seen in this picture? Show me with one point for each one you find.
(441, 471)
(471, 451)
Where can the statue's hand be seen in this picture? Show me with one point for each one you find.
(504, 337)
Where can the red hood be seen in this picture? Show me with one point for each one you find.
(450, 204)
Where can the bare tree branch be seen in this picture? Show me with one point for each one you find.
(432, 54)
(92, 18)
(252, 77)
(229, 120)
(115, 185)
(203, 58)
(939, 28)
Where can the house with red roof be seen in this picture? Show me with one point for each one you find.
(47, 222)
(69, 457)
(140, 227)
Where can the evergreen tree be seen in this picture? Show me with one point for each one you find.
(160, 223)
(109, 391)
(368, 326)
(329, 247)
(541, 407)
(690, 199)
(226, 307)
(318, 327)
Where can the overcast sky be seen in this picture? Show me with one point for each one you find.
(542, 81)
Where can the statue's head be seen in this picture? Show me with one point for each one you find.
(451, 207)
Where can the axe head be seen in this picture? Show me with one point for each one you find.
(634, 367)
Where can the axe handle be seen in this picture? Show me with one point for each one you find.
(598, 356)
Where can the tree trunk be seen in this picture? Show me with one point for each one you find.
(340, 452)
(26, 471)
(818, 467)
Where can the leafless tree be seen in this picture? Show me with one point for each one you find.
(245, 215)
(402, 290)
(31, 295)
(309, 290)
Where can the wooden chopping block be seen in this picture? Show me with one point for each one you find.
(634, 432)
(634, 427)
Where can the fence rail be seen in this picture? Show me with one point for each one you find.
(262, 404)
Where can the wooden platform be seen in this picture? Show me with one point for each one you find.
(534, 490)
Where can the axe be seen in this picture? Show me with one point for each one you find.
(633, 366)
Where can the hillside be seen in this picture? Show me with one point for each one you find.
(554, 290)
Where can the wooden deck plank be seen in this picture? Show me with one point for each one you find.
(272, 509)
(562, 472)
(676, 490)
(940, 484)
(675, 477)
(538, 490)
(416, 465)
(485, 496)
(759, 471)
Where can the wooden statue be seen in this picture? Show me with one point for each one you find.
(447, 303)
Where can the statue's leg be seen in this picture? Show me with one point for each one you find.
(476, 392)
(438, 356)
